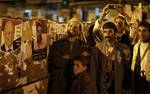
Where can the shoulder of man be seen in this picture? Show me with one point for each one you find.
(58, 42)
(124, 49)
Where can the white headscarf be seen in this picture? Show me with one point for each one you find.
(77, 20)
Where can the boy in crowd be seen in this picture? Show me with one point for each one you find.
(81, 83)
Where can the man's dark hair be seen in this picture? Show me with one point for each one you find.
(83, 59)
(110, 25)
(145, 24)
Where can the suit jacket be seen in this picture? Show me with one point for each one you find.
(122, 55)
(16, 45)
(146, 60)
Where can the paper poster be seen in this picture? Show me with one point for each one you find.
(39, 41)
(9, 52)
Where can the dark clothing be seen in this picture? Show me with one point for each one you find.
(112, 70)
(82, 84)
(125, 40)
(61, 53)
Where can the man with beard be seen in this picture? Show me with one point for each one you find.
(141, 60)
(61, 53)
(116, 55)
(120, 22)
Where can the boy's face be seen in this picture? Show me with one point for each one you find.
(78, 67)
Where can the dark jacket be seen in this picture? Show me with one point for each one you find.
(115, 75)
(61, 53)
(82, 84)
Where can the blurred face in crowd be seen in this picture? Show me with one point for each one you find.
(143, 33)
(120, 23)
(108, 34)
(9, 33)
(78, 67)
(73, 29)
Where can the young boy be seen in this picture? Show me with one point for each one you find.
(81, 83)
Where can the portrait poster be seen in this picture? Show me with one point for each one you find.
(39, 39)
(61, 30)
(11, 33)
(34, 74)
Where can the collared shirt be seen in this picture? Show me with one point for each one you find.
(8, 49)
(143, 48)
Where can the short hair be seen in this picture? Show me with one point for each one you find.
(83, 59)
(110, 25)
(145, 24)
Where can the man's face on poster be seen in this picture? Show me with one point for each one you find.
(39, 33)
(9, 33)
(39, 30)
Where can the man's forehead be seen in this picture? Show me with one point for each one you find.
(107, 29)
(119, 19)
(74, 23)
(9, 26)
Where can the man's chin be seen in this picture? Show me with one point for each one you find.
(108, 39)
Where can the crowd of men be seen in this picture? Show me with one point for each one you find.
(113, 65)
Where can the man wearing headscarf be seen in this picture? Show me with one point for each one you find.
(61, 53)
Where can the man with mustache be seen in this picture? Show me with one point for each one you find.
(116, 55)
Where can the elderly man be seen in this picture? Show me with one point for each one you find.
(61, 53)
(10, 44)
(115, 56)
(141, 60)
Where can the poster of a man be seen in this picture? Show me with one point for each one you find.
(9, 49)
(10, 44)
(39, 43)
